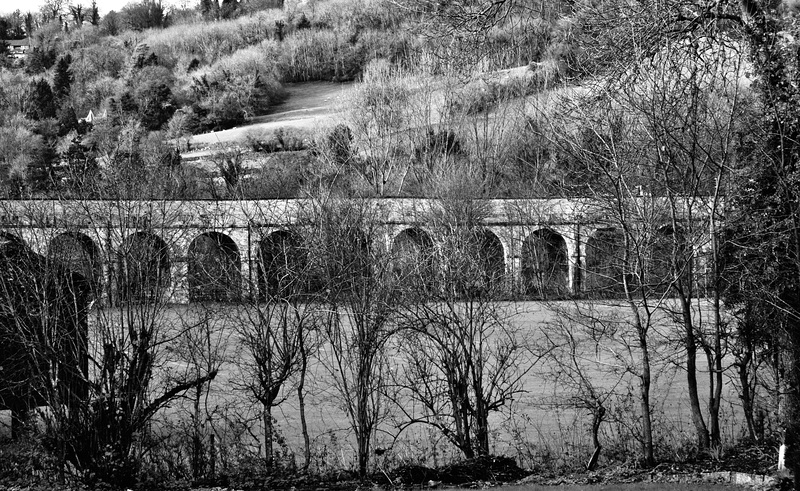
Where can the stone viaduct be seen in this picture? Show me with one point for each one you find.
(545, 246)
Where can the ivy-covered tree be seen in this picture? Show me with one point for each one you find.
(229, 9)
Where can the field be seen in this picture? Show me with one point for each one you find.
(309, 105)
(541, 425)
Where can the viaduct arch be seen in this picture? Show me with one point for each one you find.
(199, 251)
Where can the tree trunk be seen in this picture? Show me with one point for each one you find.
(18, 417)
(363, 420)
(197, 441)
(302, 402)
(715, 396)
(482, 427)
(362, 436)
(598, 414)
(645, 381)
(746, 395)
(268, 430)
(690, 343)
(716, 401)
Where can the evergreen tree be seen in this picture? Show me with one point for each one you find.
(3, 37)
(156, 108)
(111, 23)
(3, 28)
(228, 9)
(209, 9)
(29, 24)
(40, 174)
(62, 80)
(40, 103)
(94, 15)
(127, 104)
(67, 120)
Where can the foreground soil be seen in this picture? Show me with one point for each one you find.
(754, 466)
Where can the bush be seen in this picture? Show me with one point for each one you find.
(285, 139)
(25, 465)
(340, 144)
(236, 88)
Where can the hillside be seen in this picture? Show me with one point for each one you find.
(201, 74)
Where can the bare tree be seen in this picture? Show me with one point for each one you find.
(630, 240)
(585, 376)
(463, 357)
(358, 300)
(204, 348)
(120, 358)
(275, 325)
(377, 115)
(691, 105)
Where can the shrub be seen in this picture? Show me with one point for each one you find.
(340, 143)
(25, 465)
(237, 87)
(284, 139)
(279, 176)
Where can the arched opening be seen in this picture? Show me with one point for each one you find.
(143, 268)
(346, 262)
(544, 264)
(667, 263)
(491, 258)
(40, 302)
(413, 261)
(475, 263)
(282, 265)
(77, 253)
(214, 269)
(604, 265)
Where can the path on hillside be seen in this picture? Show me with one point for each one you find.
(308, 105)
